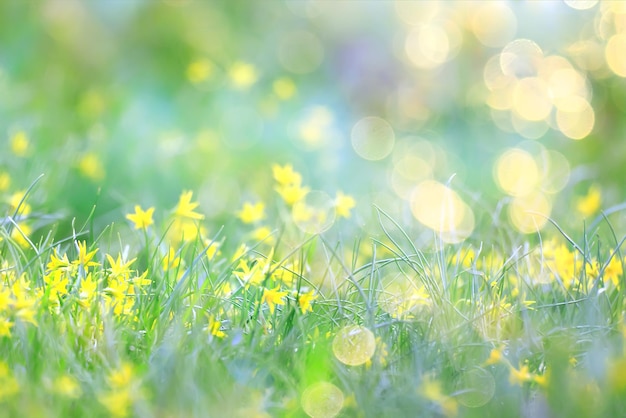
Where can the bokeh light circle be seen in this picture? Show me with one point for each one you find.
(614, 53)
(529, 214)
(441, 209)
(521, 58)
(322, 400)
(516, 172)
(354, 345)
(531, 99)
(475, 387)
(576, 121)
(581, 4)
(315, 213)
(373, 138)
(493, 23)
(427, 46)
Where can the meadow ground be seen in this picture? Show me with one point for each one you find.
(312, 208)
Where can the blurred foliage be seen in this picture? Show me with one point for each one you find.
(116, 113)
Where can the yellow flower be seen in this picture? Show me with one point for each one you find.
(343, 204)
(20, 144)
(5, 181)
(284, 88)
(68, 386)
(212, 249)
(185, 207)
(614, 271)
(171, 260)
(263, 234)
(215, 327)
(273, 297)
(199, 70)
(250, 275)
(8, 383)
(117, 402)
(305, 299)
(84, 258)
(18, 205)
(285, 175)
(495, 357)
(251, 213)
(242, 75)
(118, 268)
(520, 376)
(91, 166)
(590, 203)
(5, 327)
(292, 193)
(142, 219)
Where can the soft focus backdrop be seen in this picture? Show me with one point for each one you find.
(411, 106)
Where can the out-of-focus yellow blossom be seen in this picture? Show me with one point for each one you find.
(199, 70)
(5, 181)
(284, 88)
(171, 260)
(18, 205)
(292, 193)
(67, 386)
(20, 144)
(243, 75)
(495, 357)
(614, 271)
(250, 275)
(273, 297)
(520, 376)
(212, 249)
(251, 213)
(590, 203)
(285, 175)
(5, 327)
(90, 165)
(430, 389)
(343, 204)
(8, 384)
(141, 219)
(263, 234)
(215, 328)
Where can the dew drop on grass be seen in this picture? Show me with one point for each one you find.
(475, 387)
(354, 345)
(322, 400)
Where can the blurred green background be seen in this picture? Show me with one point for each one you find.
(128, 102)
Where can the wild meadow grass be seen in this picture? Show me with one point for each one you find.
(156, 317)
(312, 208)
